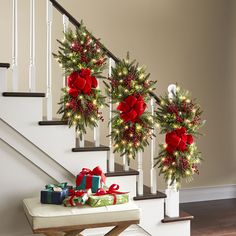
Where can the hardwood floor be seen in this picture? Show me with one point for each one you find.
(216, 218)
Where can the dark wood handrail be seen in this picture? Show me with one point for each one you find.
(76, 23)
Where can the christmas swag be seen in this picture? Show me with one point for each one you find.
(83, 61)
(129, 88)
(179, 118)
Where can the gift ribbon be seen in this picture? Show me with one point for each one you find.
(112, 191)
(73, 194)
(49, 197)
(85, 171)
(51, 186)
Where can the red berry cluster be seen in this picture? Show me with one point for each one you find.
(168, 160)
(86, 49)
(128, 80)
(195, 168)
(183, 163)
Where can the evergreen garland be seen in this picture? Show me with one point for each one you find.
(180, 119)
(83, 61)
(132, 126)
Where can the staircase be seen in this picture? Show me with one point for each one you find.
(54, 149)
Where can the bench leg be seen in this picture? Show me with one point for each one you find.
(74, 232)
(117, 230)
(52, 234)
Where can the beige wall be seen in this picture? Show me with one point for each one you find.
(190, 42)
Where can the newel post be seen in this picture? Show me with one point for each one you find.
(172, 192)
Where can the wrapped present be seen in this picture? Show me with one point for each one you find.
(77, 197)
(54, 193)
(90, 179)
(108, 197)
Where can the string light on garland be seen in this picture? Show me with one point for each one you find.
(179, 118)
(129, 90)
(83, 61)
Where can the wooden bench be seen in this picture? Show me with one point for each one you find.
(53, 220)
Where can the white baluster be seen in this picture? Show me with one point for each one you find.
(125, 163)
(96, 130)
(3, 79)
(32, 47)
(49, 60)
(140, 176)
(81, 141)
(65, 20)
(65, 23)
(172, 193)
(153, 144)
(15, 46)
(110, 153)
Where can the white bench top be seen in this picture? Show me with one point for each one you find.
(49, 216)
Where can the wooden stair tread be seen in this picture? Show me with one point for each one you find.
(120, 172)
(182, 217)
(22, 94)
(89, 147)
(4, 65)
(53, 122)
(148, 195)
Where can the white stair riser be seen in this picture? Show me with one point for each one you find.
(3, 79)
(21, 110)
(178, 228)
(126, 183)
(153, 213)
(57, 141)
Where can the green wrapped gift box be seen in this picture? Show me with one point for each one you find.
(106, 197)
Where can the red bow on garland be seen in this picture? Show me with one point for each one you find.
(81, 82)
(178, 139)
(85, 171)
(132, 108)
(112, 191)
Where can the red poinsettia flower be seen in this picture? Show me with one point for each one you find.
(132, 108)
(178, 140)
(82, 81)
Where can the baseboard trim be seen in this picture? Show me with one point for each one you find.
(208, 193)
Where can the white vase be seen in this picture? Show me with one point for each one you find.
(172, 200)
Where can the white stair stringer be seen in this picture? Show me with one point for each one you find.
(36, 156)
(40, 159)
(23, 114)
(153, 213)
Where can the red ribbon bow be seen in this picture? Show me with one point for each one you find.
(81, 82)
(132, 108)
(178, 140)
(112, 191)
(85, 171)
(73, 193)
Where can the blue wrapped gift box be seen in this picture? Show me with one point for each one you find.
(54, 194)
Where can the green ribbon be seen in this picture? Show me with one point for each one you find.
(60, 185)
(49, 197)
